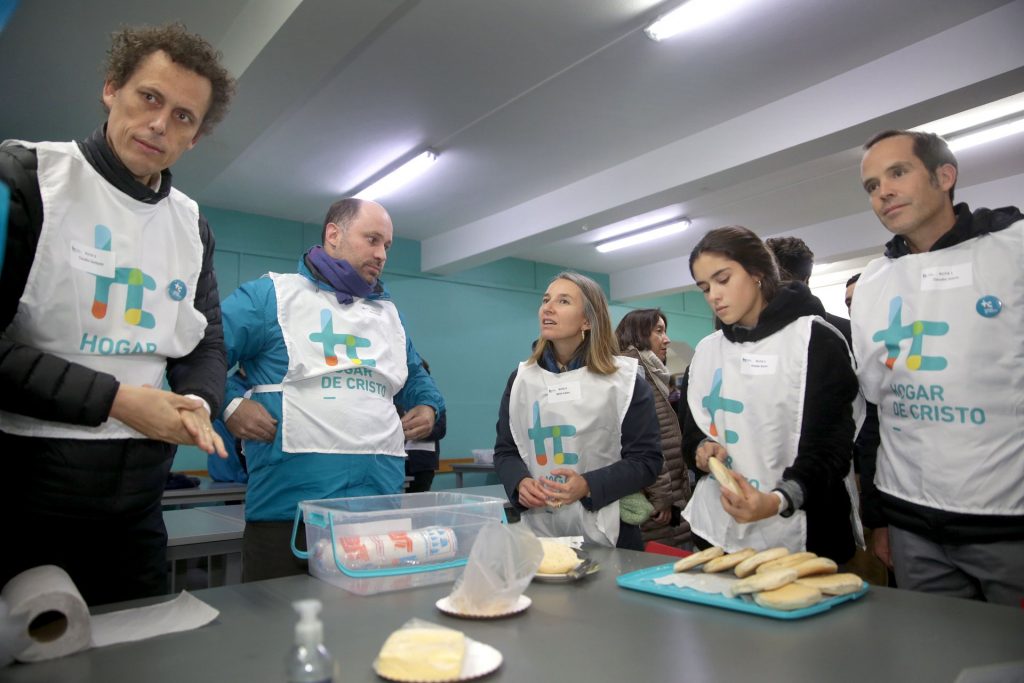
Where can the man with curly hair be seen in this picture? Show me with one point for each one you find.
(107, 290)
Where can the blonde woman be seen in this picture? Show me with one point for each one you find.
(577, 428)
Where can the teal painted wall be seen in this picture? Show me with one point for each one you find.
(473, 327)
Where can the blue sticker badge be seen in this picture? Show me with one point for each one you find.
(177, 290)
(989, 306)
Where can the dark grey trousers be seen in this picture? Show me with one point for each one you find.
(993, 572)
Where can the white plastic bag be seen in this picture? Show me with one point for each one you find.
(501, 565)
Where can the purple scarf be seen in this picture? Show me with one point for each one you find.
(339, 274)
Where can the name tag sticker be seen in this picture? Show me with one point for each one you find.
(372, 310)
(92, 260)
(751, 364)
(561, 393)
(947, 277)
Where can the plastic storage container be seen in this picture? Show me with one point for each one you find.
(384, 543)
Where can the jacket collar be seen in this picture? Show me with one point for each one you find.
(100, 156)
(967, 226)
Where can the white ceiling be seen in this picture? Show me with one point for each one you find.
(554, 118)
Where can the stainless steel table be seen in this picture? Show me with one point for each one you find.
(588, 632)
(212, 532)
(208, 491)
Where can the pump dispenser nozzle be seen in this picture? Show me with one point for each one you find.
(309, 661)
(309, 630)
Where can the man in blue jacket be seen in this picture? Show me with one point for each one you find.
(326, 356)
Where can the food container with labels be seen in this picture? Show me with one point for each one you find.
(374, 544)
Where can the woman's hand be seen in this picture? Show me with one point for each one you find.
(709, 449)
(751, 505)
(572, 488)
(531, 493)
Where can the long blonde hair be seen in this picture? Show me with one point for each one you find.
(599, 346)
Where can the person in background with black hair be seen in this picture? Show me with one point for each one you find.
(796, 262)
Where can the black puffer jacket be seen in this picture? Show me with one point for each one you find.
(45, 386)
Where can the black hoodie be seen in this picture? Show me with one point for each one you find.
(825, 449)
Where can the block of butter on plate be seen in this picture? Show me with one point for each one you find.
(422, 654)
(558, 558)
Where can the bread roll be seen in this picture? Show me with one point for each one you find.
(786, 561)
(790, 597)
(819, 565)
(721, 473)
(835, 584)
(720, 564)
(558, 558)
(747, 566)
(764, 582)
(422, 654)
(698, 559)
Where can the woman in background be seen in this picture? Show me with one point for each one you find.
(643, 335)
(577, 428)
(770, 395)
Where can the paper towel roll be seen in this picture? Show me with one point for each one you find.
(58, 617)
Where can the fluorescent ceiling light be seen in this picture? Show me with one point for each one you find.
(399, 177)
(976, 116)
(644, 236)
(984, 135)
(690, 15)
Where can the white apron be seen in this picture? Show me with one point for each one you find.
(734, 394)
(112, 286)
(345, 365)
(940, 338)
(571, 420)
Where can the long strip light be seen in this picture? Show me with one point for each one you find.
(402, 175)
(644, 236)
(980, 137)
(981, 124)
(689, 15)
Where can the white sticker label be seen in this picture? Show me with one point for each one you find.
(92, 260)
(751, 364)
(371, 309)
(947, 277)
(560, 393)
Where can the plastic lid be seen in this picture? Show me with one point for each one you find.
(309, 631)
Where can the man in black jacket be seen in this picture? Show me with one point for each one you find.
(107, 289)
(937, 331)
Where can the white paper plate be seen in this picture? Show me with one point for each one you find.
(481, 659)
(446, 606)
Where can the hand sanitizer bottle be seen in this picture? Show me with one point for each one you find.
(309, 661)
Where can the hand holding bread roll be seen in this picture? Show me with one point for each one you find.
(723, 476)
